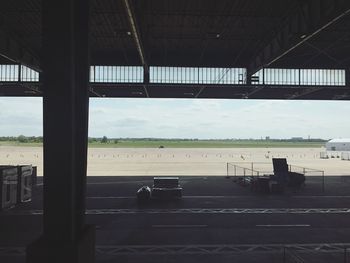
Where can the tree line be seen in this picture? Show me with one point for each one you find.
(104, 139)
(22, 139)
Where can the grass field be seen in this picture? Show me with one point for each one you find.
(187, 144)
(20, 144)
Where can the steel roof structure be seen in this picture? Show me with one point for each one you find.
(68, 50)
(199, 33)
(222, 33)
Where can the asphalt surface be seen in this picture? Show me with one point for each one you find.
(216, 220)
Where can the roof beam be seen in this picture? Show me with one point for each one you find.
(91, 89)
(136, 33)
(137, 37)
(312, 18)
(300, 95)
(199, 92)
(217, 91)
(14, 51)
(253, 91)
(344, 96)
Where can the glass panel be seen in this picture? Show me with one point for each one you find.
(196, 75)
(117, 74)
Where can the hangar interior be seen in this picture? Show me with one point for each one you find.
(67, 51)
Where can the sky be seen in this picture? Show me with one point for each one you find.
(190, 118)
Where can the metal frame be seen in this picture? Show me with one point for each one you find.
(312, 18)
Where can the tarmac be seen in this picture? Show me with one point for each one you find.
(216, 220)
(183, 161)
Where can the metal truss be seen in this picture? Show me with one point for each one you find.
(221, 249)
(223, 211)
(13, 50)
(138, 41)
(115, 250)
(310, 20)
(201, 211)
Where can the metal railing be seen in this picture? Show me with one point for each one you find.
(192, 75)
(116, 74)
(256, 169)
(198, 75)
(310, 77)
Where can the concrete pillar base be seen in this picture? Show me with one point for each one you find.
(41, 251)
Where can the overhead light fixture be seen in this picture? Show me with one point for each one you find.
(303, 36)
(213, 35)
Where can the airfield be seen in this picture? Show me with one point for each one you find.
(181, 161)
(215, 220)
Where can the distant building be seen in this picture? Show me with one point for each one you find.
(296, 138)
(338, 145)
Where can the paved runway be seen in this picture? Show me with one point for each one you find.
(233, 226)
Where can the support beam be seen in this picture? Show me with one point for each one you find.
(146, 77)
(82, 79)
(136, 35)
(300, 95)
(140, 48)
(13, 51)
(253, 91)
(325, 50)
(65, 237)
(199, 92)
(172, 90)
(343, 96)
(94, 92)
(32, 89)
(313, 18)
(146, 91)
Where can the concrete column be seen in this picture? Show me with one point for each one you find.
(65, 237)
(82, 73)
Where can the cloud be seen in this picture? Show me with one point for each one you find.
(20, 116)
(188, 118)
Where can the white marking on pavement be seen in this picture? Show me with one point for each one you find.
(300, 225)
(200, 211)
(200, 249)
(119, 182)
(111, 197)
(217, 197)
(321, 196)
(178, 226)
